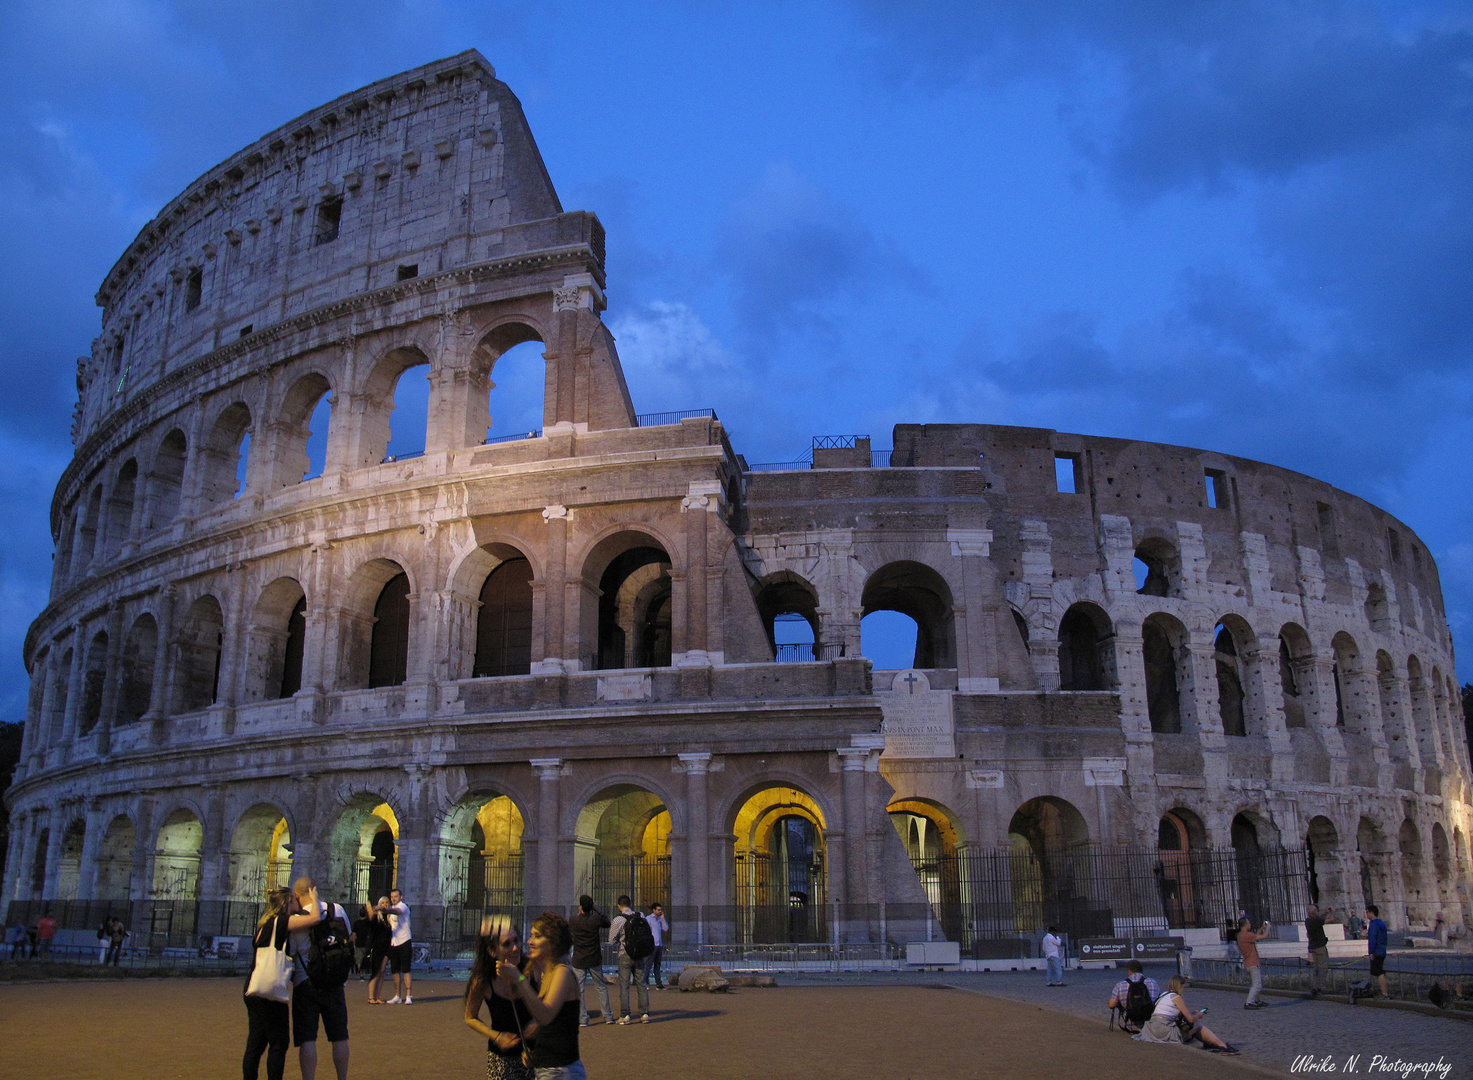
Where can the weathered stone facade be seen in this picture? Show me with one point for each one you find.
(560, 649)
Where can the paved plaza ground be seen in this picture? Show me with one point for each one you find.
(935, 1026)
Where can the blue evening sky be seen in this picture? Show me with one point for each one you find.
(1245, 227)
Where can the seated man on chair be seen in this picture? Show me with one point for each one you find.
(1134, 997)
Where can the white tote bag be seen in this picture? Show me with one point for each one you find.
(271, 977)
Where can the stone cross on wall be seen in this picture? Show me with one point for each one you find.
(918, 720)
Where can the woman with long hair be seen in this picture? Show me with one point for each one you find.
(512, 1026)
(1174, 1021)
(270, 1021)
(549, 990)
(378, 949)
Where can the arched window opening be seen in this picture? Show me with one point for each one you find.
(382, 856)
(622, 847)
(1163, 700)
(120, 507)
(504, 623)
(788, 607)
(223, 457)
(1410, 841)
(1044, 836)
(1021, 625)
(296, 644)
(388, 663)
(481, 859)
(138, 663)
(92, 679)
(115, 860)
(1378, 610)
(1229, 683)
(69, 865)
(930, 837)
(1348, 702)
(1295, 715)
(201, 634)
(1441, 863)
(242, 459)
(515, 388)
(780, 868)
(58, 698)
(38, 864)
(409, 416)
(165, 481)
(315, 444)
(1322, 849)
(177, 859)
(634, 610)
(260, 853)
(1252, 894)
(1084, 660)
(889, 639)
(87, 534)
(921, 594)
(1157, 567)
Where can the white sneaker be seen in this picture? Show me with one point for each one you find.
(407, 1001)
(625, 1020)
(393, 1000)
(645, 1019)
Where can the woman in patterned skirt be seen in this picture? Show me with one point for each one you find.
(511, 1025)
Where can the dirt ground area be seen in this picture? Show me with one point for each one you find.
(196, 1028)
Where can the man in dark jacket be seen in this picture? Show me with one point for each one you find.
(1376, 947)
(587, 926)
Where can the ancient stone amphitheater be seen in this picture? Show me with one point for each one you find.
(1150, 684)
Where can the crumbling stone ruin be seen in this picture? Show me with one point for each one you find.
(512, 669)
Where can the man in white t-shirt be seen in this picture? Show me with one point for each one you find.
(1053, 955)
(309, 1004)
(401, 948)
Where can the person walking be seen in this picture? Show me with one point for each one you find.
(1053, 955)
(1376, 947)
(511, 1024)
(45, 933)
(548, 989)
(659, 927)
(587, 926)
(1248, 940)
(631, 968)
(312, 1004)
(1319, 947)
(401, 949)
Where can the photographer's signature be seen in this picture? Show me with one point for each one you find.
(1375, 1065)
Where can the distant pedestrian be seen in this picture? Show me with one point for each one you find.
(18, 942)
(104, 936)
(116, 936)
(1248, 940)
(1376, 947)
(46, 933)
(1319, 947)
(587, 927)
(378, 951)
(628, 934)
(401, 949)
(1053, 955)
(363, 940)
(659, 927)
(1353, 926)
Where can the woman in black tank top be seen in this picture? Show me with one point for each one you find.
(512, 1026)
(549, 990)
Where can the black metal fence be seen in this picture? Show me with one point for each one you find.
(1408, 978)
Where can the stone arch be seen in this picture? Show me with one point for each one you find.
(1322, 849)
(1409, 845)
(377, 402)
(920, 593)
(1372, 850)
(38, 863)
(115, 860)
(1179, 832)
(622, 845)
(504, 617)
(94, 675)
(177, 851)
(469, 572)
(198, 644)
(1158, 557)
(220, 456)
(276, 638)
(88, 526)
(165, 483)
(291, 461)
(362, 850)
(482, 864)
(1163, 641)
(69, 862)
(1044, 834)
(1229, 638)
(260, 852)
(779, 869)
(361, 641)
(57, 699)
(1346, 671)
(1253, 835)
(140, 651)
(632, 620)
(1423, 718)
(1441, 863)
(786, 602)
(1086, 653)
(120, 508)
(1296, 677)
(932, 835)
(499, 339)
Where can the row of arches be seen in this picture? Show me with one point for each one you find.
(259, 443)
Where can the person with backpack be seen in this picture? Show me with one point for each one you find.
(1135, 997)
(1174, 1021)
(630, 935)
(322, 959)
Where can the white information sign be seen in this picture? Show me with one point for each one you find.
(918, 720)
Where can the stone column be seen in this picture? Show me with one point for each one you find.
(56, 835)
(978, 663)
(702, 499)
(414, 836)
(555, 594)
(112, 680)
(74, 684)
(698, 828)
(158, 699)
(15, 857)
(97, 822)
(1263, 702)
(214, 849)
(852, 760)
(549, 772)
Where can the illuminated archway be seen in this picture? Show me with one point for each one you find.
(482, 864)
(780, 867)
(623, 847)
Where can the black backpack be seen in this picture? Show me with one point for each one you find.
(639, 942)
(330, 958)
(1138, 1003)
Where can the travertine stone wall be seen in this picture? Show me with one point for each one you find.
(1301, 628)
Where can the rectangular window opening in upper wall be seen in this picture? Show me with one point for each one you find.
(329, 216)
(411, 270)
(194, 286)
(1068, 473)
(1217, 489)
(1393, 543)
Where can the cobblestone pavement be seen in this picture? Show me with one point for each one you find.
(1272, 1037)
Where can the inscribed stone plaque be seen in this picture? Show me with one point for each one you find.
(918, 721)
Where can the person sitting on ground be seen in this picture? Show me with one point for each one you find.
(1134, 997)
(1166, 1022)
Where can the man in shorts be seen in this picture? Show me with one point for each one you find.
(401, 948)
(309, 1004)
(1376, 947)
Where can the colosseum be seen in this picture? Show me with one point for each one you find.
(1151, 685)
